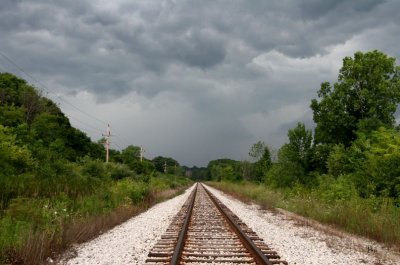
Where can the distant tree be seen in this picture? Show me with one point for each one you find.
(261, 152)
(31, 101)
(247, 170)
(160, 162)
(225, 169)
(11, 115)
(130, 154)
(257, 150)
(364, 98)
(294, 158)
(197, 173)
(14, 158)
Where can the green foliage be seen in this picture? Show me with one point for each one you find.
(338, 162)
(376, 158)
(119, 171)
(348, 175)
(335, 202)
(14, 158)
(364, 98)
(130, 154)
(298, 150)
(261, 152)
(12, 235)
(139, 192)
(93, 168)
(336, 190)
(294, 159)
(52, 174)
(225, 169)
(257, 150)
(142, 167)
(197, 173)
(160, 162)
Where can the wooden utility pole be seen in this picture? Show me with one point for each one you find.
(108, 142)
(141, 153)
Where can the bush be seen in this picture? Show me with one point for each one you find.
(119, 171)
(94, 168)
(139, 192)
(12, 234)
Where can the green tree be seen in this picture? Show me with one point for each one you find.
(294, 159)
(375, 157)
(257, 150)
(365, 97)
(261, 152)
(225, 169)
(299, 146)
(160, 162)
(130, 154)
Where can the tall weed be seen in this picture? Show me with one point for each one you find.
(335, 204)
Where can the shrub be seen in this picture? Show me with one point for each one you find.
(119, 171)
(139, 192)
(94, 168)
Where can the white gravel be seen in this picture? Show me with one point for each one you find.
(130, 242)
(300, 244)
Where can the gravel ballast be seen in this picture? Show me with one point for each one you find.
(301, 244)
(130, 242)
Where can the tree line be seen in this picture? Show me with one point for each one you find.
(354, 149)
(52, 175)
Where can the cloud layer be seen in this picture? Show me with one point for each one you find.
(195, 80)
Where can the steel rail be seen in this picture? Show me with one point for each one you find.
(259, 257)
(176, 257)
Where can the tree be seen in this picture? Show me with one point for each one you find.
(225, 169)
(364, 98)
(257, 150)
(261, 152)
(130, 154)
(374, 159)
(299, 146)
(294, 158)
(160, 162)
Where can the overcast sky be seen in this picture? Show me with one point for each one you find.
(194, 80)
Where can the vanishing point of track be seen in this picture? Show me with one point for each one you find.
(206, 232)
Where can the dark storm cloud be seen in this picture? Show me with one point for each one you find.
(152, 35)
(315, 9)
(245, 70)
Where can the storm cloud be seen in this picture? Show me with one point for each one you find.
(195, 80)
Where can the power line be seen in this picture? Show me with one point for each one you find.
(116, 142)
(60, 98)
(2, 69)
(117, 145)
(97, 132)
(120, 136)
(84, 123)
(48, 90)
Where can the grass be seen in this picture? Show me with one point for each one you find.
(375, 218)
(33, 229)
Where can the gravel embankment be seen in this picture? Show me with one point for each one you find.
(130, 242)
(300, 244)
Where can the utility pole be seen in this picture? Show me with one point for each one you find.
(141, 153)
(108, 142)
(165, 167)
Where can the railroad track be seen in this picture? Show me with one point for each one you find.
(206, 232)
